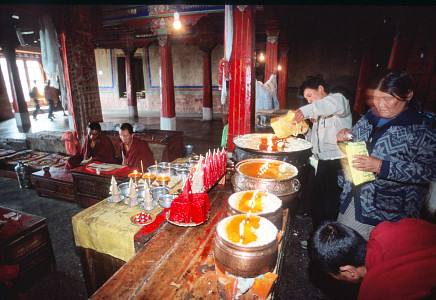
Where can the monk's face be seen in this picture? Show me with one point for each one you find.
(126, 137)
(94, 134)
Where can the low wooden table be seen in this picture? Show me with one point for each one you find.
(58, 183)
(26, 242)
(177, 262)
(90, 188)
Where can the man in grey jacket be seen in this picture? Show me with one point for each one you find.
(329, 113)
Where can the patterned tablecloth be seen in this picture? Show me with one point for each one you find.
(106, 228)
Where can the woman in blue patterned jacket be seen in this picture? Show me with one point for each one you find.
(402, 154)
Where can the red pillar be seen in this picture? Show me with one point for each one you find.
(399, 53)
(206, 45)
(132, 105)
(282, 89)
(360, 105)
(168, 105)
(19, 103)
(241, 94)
(272, 34)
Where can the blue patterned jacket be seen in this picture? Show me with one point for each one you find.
(407, 146)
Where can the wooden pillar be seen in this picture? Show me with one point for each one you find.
(132, 105)
(5, 106)
(242, 70)
(282, 89)
(272, 34)
(82, 83)
(19, 103)
(362, 84)
(206, 45)
(399, 53)
(168, 105)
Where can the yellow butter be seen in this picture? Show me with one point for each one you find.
(284, 127)
(357, 176)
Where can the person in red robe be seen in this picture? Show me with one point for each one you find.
(397, 262)
(134, 150)
(97, 147)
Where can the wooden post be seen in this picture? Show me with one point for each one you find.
(282, 89)
(19, 103)
(206, 45)
(242, 94)
(272, 34)
(399, 53)
(132, 105)
(168, 105)
(362, 84)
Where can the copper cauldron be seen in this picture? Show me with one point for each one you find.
(276, 216)
(245, 261)
(284, 188)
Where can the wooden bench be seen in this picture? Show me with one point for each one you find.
(58, 183)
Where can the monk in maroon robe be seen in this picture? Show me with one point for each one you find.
(97, 147)
(134, 150)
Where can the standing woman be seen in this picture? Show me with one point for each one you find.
(402, 153)
(330, 113)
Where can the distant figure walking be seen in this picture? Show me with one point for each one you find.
(35, 95)
(51, 94)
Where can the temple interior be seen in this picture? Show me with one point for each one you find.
(128, 63)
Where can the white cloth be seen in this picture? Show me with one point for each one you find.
(330, 114)
(228, 44)
(266, 94)
(51, 58)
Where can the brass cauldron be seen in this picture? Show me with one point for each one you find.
(283, 188)
(276, 216)
(245, 261)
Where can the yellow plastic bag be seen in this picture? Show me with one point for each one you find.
(284, 127)
(356, 176)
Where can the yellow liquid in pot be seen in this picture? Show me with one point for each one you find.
(265, 171)
(233, 229)
(244, 202)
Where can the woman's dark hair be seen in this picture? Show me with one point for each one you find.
(313, 82)
(127, 126)
(396, 83)
(334, 245)
(95, 126)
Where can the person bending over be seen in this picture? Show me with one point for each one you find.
(398, 261)
(97, 147)
(134, 150)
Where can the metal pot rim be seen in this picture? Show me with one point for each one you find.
(266, 179)
(284, 153)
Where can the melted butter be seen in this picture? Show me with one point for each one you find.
(148, 175)
(234, 233)
(270, 144)
(262, 170)
(162, 178)
(244, 202)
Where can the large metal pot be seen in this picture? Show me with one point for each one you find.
(244, 261)
(245, 148)
(276, 216)
(282, 188)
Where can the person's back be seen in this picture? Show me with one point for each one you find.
(400, 261)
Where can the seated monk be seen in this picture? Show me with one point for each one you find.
(134, 150)
(97, 147)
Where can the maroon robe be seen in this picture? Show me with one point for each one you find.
(401, 261)
(138, 150)
(103, 152)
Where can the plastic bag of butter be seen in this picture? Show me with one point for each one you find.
(284, 127)
(356, 176)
